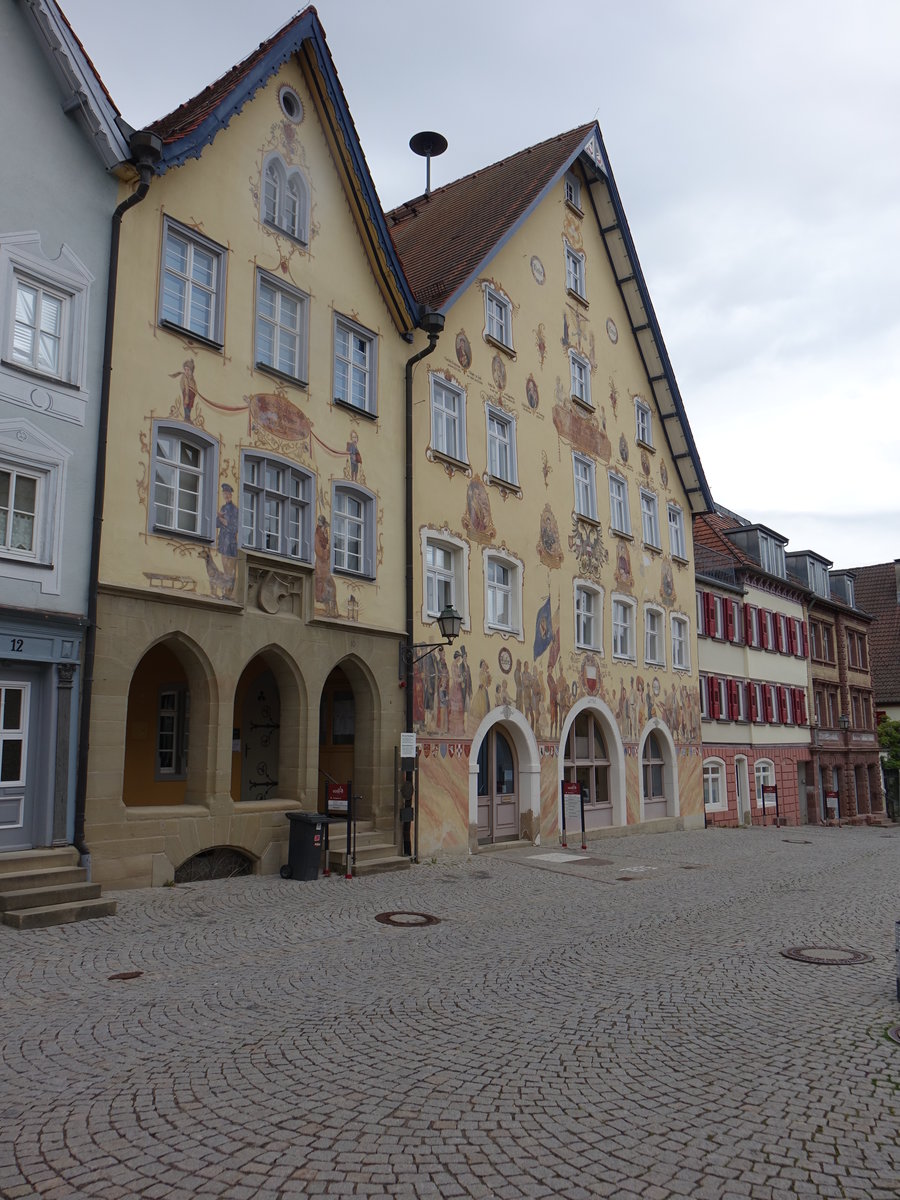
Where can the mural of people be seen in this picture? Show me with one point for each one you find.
(477, 520)
(531, 393)
(482, 703)
(227, 534)
(623, 565)
(466, 676)
(188, 387)
(667, 586)
(456, 716)
(442, 709)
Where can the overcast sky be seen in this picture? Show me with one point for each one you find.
(756, 147)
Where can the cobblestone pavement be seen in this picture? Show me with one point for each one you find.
(620, 1023)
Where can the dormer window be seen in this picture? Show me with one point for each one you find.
(573, 191)
(285, 201)
(771, 555)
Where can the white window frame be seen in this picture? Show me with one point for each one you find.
(279, 183)
(724, 711)
(584, 472)
(654, 636)
(763, 773)
(497, 420)
(681, 642)
(704, 697)
(588, 616)
(573, 190)
(442, 390)
(23, 263)
(580, 379)
(180, 712)
(497, 318)
(281, 330)
(575, 273)
(353, 532)
(650, 519)
(264, 505)
(715, 767)
(357, 371)
(512, 587)
(458, 576)
(207, 473)
(29, 451)
(623, 630)
(618, 504)
(677, 540)
(195, 242)
(643, 422)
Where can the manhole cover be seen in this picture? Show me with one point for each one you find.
(894, 1033)
(827, 956)
(407, 920)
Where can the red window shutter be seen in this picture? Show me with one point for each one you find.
(734, 706)
(715, 708)
(763, 628)
(791, 636)
(754, 702)
(804, 635)
(801, 698)
(783, 705)
(767, 702)
(729, 620)
(709, 604)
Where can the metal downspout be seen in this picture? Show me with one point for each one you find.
(146, 149)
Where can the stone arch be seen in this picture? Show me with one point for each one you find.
(528, 765)
(293, 717)
(367, 769)
(669, 762)
(610, 728)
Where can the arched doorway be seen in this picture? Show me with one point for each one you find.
(157, 730)
(653, 774)
(337, 733)
(256, 739)
(587, 762)
(498, 791)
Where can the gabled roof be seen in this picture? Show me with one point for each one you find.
(84, 93)
(876, 591)
(194, 125)
(447, 239)
(711, 535)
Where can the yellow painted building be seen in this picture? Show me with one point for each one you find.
(555, 478)
(250, 586)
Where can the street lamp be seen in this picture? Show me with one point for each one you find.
(844, 722)
(449, 622)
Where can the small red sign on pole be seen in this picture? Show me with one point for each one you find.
(572, 810)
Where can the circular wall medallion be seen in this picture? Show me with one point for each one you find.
(611, 332)
(537, 269)
(463, 350)
(291, 104)
(498, 372)
(504, 658)
(407, 920)
(827, 956)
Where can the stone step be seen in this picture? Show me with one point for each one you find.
(58, 914)
(43, 897)
(38, 878)
(364, 852)
(38, 860)
(373, 866)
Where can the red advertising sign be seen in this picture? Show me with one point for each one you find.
(338, 797)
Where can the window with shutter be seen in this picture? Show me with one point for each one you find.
(748, 624)
(768, 707)
(804, 639)
(709, 601)
(734, 706)
(754, 701)
(715, 708)
(783, 709)
(781, 632)
(764, 617)
(729, 620)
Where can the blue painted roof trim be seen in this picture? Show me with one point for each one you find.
(653, 323)
(308, 28)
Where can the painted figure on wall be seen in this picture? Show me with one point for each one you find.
(667, 586)
(581, 432)
(540, 342)
(222, 581)
(624, 578)
(482, 703)
(353, 455)
(188, 388)
(549, 546)
(463, 350)
(531, 393)
(477, 521)
(325, 590)
(498, 372)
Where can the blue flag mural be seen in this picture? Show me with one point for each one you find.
(543, 629)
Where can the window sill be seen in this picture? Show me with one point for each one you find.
(504, 631)
(507, 350)
(348, 574)
(681, 670)
(293, 380)
(654, 666)
(653, 549)
(573, 207)
(629, 658)
(293, 237)
(578, 298)
(348, 406)
(620, 533)
(181, 331)
(44, 376)
(440, 456)
(33, 564)
(582, 403)
(645, 445)
(681, 560)
(506, 484)
(589, 649)
(594, 521)
(202, 539)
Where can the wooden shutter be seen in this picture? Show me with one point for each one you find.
(783, 706)
(709, 606)
(804, 640)
(791, 636)
(729, 620)
(764, 628)
(734, 704)
(754, 702)
(780, 621)
(767, 702)
(715, 708)
(748, 624)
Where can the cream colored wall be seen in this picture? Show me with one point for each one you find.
(218, 196)
(544, 316)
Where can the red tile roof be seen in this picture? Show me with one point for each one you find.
(710, 530)
(442, 238)
(876, 593)
(188, 116)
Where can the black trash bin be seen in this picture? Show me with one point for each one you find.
(308, 835)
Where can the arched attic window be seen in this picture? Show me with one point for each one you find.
(285, 199)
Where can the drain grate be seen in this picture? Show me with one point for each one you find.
(827, 956)
(407, 920)
(894, 1033)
